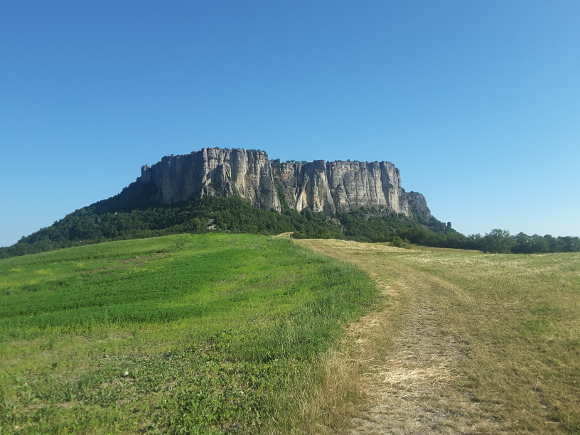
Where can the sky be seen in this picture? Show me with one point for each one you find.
(476, 102)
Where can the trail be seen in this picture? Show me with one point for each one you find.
(411, 376)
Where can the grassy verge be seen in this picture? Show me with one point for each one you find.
(179, 334)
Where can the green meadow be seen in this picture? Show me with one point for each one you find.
(213, 333)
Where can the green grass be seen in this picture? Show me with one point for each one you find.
(181, 334)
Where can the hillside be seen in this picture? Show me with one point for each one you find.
(181, 334)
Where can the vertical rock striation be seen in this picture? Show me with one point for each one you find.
(330, 187)
(213, 172)
(319, 186)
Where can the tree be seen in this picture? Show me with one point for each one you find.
(498, 241)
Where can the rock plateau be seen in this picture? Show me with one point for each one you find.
(319, 186)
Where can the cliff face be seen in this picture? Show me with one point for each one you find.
(325, 187)
(213, 172)
(329, 187)
(418, 204)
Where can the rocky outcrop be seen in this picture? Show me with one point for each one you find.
(213, 172)
(319, 186)
(330, 187)
(418, 204)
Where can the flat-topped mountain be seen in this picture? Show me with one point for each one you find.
(243, 191)
(319, 186)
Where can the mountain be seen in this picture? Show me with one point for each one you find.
(319, 186)
(243, 191)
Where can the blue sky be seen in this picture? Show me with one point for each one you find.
(476, 102)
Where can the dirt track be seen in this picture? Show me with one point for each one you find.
(409, 363)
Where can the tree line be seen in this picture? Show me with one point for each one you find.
(364, 225)
(98, 223)
(102, 222)
(496, 241)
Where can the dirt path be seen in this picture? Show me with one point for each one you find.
(410, 365)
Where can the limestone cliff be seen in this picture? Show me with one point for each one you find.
(331, 187)
(213, 172)
(319, 186)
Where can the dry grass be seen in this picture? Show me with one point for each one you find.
(465, 343)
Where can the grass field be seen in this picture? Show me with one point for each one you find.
(468, 342)
(248, 334)
(181, 334)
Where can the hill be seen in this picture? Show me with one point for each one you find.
(243, 191)
(230, 333)
(181, 334)
(239, 191)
